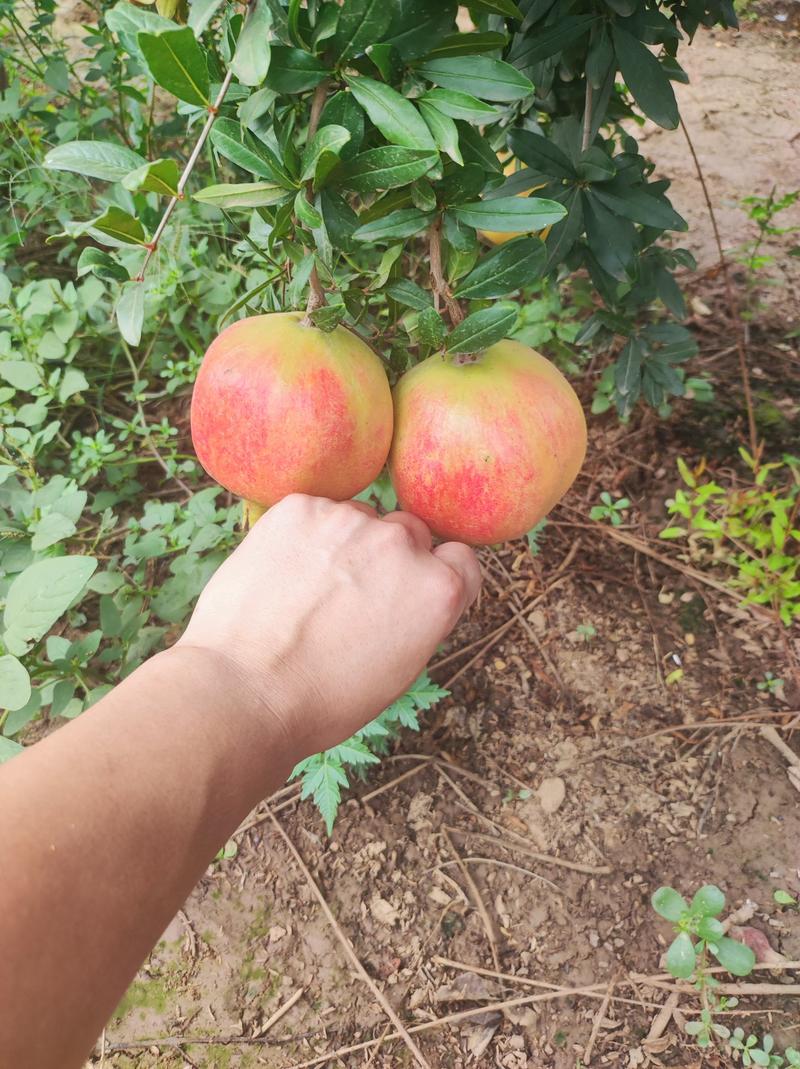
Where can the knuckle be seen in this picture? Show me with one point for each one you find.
(452, 589)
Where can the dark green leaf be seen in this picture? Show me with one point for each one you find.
(250, 61)
(410, 294)
(627, 379)
(540, 153)
(422, 195)
(329, 141)
(599, 58)
(385, 168)
(396, 118)
(177, 63)
(645, 78)
(101, 264)
(476, 149)
(388, 61)
(510, 214)
(430, 330)
(393, 227)
(533, 48)
(361, 23)
(342, 110)
(417, 25)
(612, 240)
(483, 328)
(460, 105)
(291, 70)
(595, 166)
(489, 79)
(509, 267)
(120, 226)
(94, 159)
(462, 184)
(240, 148)
(467, 44)
(306, 212)
(160, 176)
(635, 203)
(444, 131)
(328, 317)
(340, 219)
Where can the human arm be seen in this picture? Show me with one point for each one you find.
(315, 623)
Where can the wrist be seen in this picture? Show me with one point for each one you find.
(247, 722)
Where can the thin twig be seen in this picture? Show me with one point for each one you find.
(393, 782)
(587, 116)
(441, 291)
(213, 110)
(488, 923)
(280, 1012)
(316, 294)
(385, 1005)
(520, 844)
(472, 860)
(598, 1020)
(733, 303)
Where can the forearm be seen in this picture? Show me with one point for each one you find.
(103, 836)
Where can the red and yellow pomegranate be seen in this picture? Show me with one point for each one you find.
(486, 444)
(279, 408)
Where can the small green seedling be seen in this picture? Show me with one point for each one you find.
(611, 510)
(699, 930)
(783, 898)
(586, 631)
(535, 536)
(753, 1054)
(770, 684)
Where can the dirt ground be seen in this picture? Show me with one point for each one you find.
(565, 779)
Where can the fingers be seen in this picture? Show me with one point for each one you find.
(415, 527)
(362, 506)
(464, 563)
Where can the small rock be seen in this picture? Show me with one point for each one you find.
(383, 912)
(551, 793)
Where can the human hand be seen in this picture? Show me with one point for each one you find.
(325, 614)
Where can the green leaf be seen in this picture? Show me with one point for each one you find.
(483, 328)
(411, 295)
(8, 749)
(130, 312)
(120, 226)
(385, 168)
(240, 148)
(735, 957)
(710, 929)
(709, 901)
(489, 79)
(94, 159)
(250, 61)
(783, 898)
(467, 44)
(160, 176)
(444, 131)
(394, 226)
(201, 12)
(681, 957)
(322, 155)
(533, 48)
(291, 70)
(15, 683)
(595, 165)
(396, 118)
(635, 203)
(361, 23)
(72, 381)
(417, 25)
(51, 529)
(628, 369)
(241, 195)
(431, 330)
(509, 267)
(501, 7)
(669, 904)
(388, 61)
(460, 105)
(328, 317)
(177, 63)
(306, 213)
(541, 154)
(100, 263)
(21, 374)
(342, 110)
(510, 214)
(42, 592)
(127, 21)
(644, 76)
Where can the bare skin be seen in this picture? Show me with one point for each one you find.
(319, 620)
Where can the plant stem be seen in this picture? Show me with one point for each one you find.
(733, 303)
(587, 116)
(316, 296)
(213, 109)
(441, 291)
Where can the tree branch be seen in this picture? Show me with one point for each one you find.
(316, 296)
(587, 116)
(441, 291)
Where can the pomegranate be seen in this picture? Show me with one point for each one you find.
(485, 444)
(279, 407)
